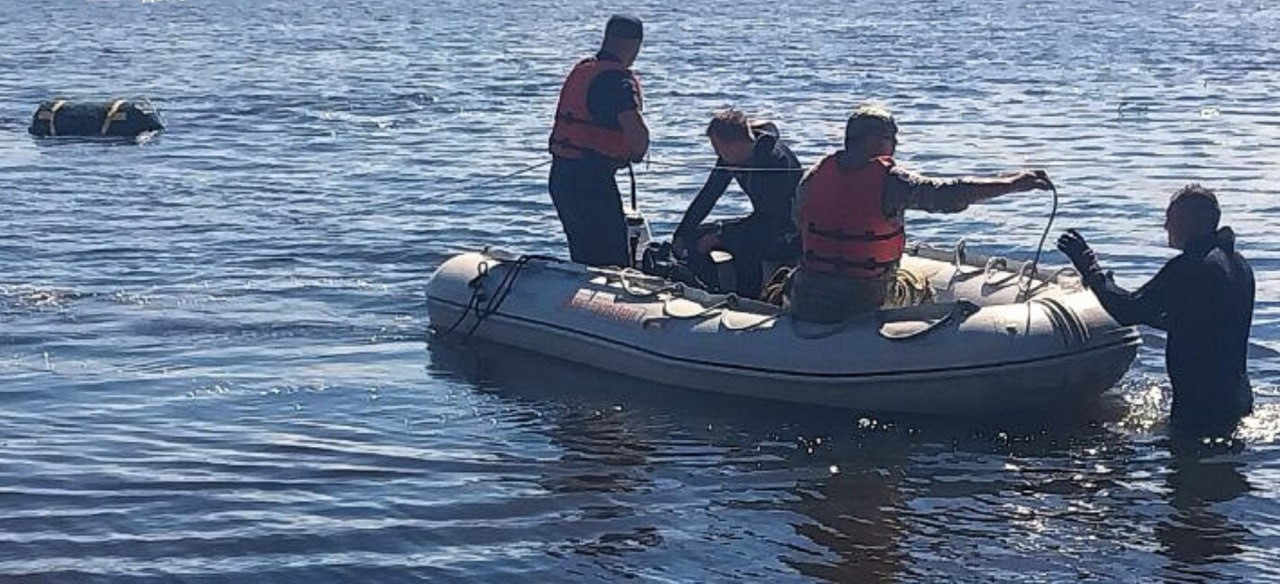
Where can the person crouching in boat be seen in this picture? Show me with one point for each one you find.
(849, 214)
(598, 130)
(1203, 300)
(751, 153)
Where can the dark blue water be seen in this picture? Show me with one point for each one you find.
(213, 354)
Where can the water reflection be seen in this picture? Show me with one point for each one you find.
(1197, 535)
(604, 462)
(837, 484)
(846, 485)
(853, 514)
(836, 496)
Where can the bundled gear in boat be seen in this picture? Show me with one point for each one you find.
(1203, 299)
(115, 118)
(766, 236)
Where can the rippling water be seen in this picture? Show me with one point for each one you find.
(213, 358)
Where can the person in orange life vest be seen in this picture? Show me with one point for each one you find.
(751, 153)
(849, 213)
(598, 130)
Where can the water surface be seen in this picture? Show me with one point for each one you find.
(213, 353)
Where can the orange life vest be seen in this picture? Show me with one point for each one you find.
(575, 132)
(843, 229)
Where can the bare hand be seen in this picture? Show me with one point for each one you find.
(1032, 180)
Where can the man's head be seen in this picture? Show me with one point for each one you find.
(622, 37)
(871, 132)
(1193, 212)
(731, 136)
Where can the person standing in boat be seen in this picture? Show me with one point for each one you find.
(598, 130)
(1202, 299)
(751, 153)
(849, 213)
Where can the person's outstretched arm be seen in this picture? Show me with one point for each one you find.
(910, 190)
(1147, 305)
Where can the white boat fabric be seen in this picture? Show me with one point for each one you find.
(994, 338)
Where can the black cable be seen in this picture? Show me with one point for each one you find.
(483, 181)
(503, 289)
(631, 171)
(500, 293)
(1035, 263)
(471, 304)
(729, 168)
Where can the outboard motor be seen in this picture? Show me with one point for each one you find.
(118, 118)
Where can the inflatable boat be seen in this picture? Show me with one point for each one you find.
(996, 337)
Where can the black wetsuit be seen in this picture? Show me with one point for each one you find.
(585, 191)
(1203, 299)
(768, 233)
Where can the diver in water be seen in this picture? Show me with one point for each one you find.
(1203, 300)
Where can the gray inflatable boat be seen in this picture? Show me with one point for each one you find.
(996, 337)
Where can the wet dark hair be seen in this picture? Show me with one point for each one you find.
(869, 119)
(1200, 203)
(730, 124)
(624, 26)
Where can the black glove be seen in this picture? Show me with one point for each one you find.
(1073, 245)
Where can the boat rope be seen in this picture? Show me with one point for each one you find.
(635, 291)
(1035, 263)
(730, 168)
(730, 301)
(499, 296)
(959, 258)
(1025, 273)
(631, 174)
(477, 296)
(1026, 276)
(492, 180)
(999, 264)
